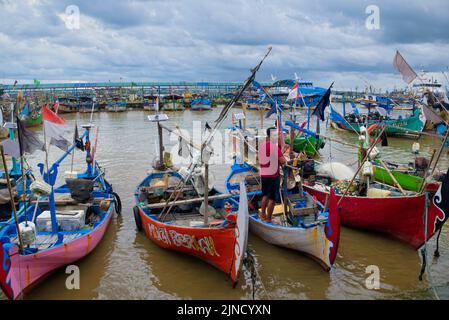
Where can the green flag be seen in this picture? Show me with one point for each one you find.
(37, 83)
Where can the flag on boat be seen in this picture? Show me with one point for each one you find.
(55, 128)
(323, 104)
(76, 138)
(441, 201)
(274, 109)
(399, 63)
(28, 142)
(94, 149)
(294, 92)
(430, 115)
(25, 112)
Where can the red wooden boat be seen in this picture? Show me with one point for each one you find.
(222, 242)
(402, 217)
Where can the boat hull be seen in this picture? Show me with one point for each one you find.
(173, 106)
(308, 144)
(34, 121)
(407, 181)
(212, 245)
(19, 273)
(393, 127)
(319, 242)
(399, 217)
(200, 107)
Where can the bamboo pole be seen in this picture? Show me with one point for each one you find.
(361, 165)
(392, 177)
(423, 184)
(11, 198)
(206, 194)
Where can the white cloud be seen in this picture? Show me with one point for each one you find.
(138, 40)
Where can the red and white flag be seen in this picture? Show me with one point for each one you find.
(408, 74)
(55, 128)
(294, 92)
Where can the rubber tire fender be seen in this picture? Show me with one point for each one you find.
(137, 218)
(117, 203)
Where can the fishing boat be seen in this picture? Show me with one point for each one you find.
(409, 177)
(182, 211)
(221, 242)
(310, 94)
(34, 119)
(305, 140)
(380, 208)
(201, 103)
(68, 104)
(59, 227)
(303, 224)
(402, 125)
(116, 105)
(173, 102)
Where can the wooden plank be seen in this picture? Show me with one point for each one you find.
(188, 201)
(71, 202)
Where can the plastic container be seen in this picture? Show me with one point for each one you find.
(69, 220)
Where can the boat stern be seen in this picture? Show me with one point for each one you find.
(332, 229)
(241, 235)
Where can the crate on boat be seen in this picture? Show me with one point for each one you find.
(302, 205)
(68, 220)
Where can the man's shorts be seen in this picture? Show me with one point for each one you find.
(270, 187)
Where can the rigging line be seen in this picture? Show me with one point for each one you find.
(219, 122)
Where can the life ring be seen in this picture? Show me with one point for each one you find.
(137, 219)
(117, 203)
(371, 128)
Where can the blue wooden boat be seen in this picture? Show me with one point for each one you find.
(201, 103)
(309, 227)
(393, 127)
(58, 229)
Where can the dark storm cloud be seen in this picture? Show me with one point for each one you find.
(220, 40)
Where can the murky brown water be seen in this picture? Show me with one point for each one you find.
(126, 265)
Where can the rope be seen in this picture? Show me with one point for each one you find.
(250, 264)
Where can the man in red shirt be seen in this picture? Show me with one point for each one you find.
(270, 159)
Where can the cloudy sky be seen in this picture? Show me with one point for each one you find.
(193, 40)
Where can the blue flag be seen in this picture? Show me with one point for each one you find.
(275, 108)
(25, 112)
